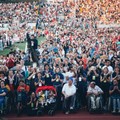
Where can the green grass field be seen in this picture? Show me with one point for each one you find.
(21, 46)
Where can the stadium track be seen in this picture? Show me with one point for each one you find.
(82, 115)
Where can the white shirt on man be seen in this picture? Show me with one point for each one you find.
(96, 89)
(110, 68)
(69, 90)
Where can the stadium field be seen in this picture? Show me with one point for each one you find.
(21, 46)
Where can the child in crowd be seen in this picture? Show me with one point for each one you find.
(51, 97)
(41, 99)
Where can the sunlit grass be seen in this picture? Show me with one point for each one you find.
(21, 46)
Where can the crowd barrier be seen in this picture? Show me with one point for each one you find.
(108, 26)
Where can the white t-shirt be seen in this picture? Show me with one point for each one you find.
(69, 90)
(40, 50)
(96, 89)
(110, 68)
(69, 74)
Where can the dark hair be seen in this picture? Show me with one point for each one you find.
(39, 72)
(21, 81)
(2, 81)
(32, 35)
(46, 65)
(107, 60)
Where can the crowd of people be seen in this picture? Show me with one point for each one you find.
(91, 12)
(81, 60)
(24, 12)
(105, 11)
(16, 16)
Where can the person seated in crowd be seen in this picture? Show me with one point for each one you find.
(51, 97)
(115, 96)
(41, 100)
(94, 93)
(69, 93)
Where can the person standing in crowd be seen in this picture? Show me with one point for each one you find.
(3, 94)
(93, 75)
(47, 75)
(81, 87)
(31, 78)
(116, 74)
(34, 42)
(105, 85)
(110, 68)
(1, 44)
(57, 81)
(39, 81)
(10, 62)
(34, 46)
(115, 96)
(28, 41)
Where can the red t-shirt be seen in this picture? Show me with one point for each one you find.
(85, 62)
(46, 32)
(25, 87)
(10, 63)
